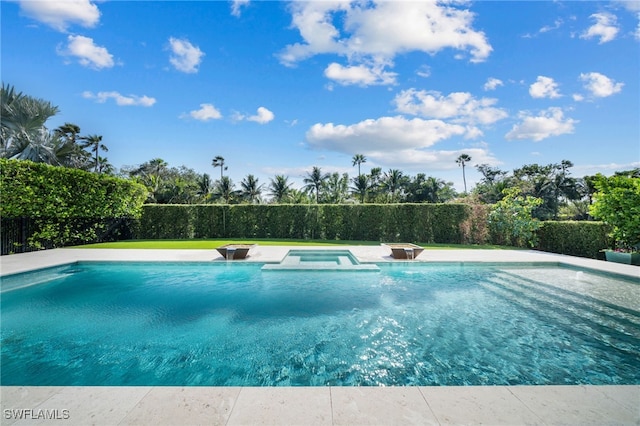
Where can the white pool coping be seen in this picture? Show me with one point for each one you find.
(503, 405)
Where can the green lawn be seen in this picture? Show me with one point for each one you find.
(214, 243)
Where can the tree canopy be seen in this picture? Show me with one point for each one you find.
(24, 136)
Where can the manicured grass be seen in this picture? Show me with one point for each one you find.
(214, 243)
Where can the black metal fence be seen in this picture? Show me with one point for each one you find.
(16, 234)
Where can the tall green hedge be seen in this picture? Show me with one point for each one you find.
(442, 223)
(425, 223)
(68, 206)
(583, 238)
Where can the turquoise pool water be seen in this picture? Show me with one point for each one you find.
(213, 324)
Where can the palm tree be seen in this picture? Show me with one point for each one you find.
(105, 167)
(68, 131)
(250, 189)
(360, 186)
(152, 174)
(375, 184)
(298, 197)
(204, 186)
(337, 188)
(218, 161)
(94, 142)
(69, 152)
(279, 188)
(39, 146)
(392, 182)
(492, 183)
(157, 166)
(23, 134)
(224, 189)
(358, 159)
(439, 191)
(462, 160)
(314, 181)
(10, 114)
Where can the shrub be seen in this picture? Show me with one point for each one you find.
(576, 238)
(68, 206)
(617, 203)
(475, 228)
(511, 221)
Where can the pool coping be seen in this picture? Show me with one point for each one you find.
(419, 405)
(316, 405)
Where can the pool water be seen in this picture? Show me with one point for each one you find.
(204, 324)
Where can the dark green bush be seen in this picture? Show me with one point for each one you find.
(582, 238)
(68, 206)
(617, 203)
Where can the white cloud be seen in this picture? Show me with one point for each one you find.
(313, 20)
(88, 54)
(607, 169)
(424, 71)
(396, 142)
(631, 5)
(461, 107)
(556, 24)
(605, 27)
(237, 5)
(492, 84)
(634, 7)
(578, 97)
(61, 14)
(121, 100)
(421, 159)
(375, 32)
(600, 85)
(361, 75)
(544, 87)
(263, 116)
(385, 134)
(185, 56)
(390, 28)
(206, 112)
(550, 122)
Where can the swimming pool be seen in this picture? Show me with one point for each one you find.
(216, 324)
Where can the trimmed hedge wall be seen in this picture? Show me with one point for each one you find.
(439, 223)
(583, 238)
(64, 206)
(425, 223)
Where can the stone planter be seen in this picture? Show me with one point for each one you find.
(619, 257)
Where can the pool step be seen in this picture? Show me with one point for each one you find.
(574, 313)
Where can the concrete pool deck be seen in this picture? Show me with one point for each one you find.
(508, 405)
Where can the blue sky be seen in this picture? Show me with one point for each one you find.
(280, 87)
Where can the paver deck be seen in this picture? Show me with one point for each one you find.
(492, 405)
(508, 405)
